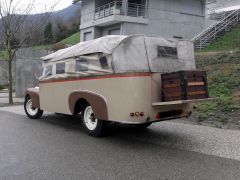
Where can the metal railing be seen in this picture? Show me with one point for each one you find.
(120, 8)
(217, 30)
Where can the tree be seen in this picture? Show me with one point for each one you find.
(14, 17)
(48, 36)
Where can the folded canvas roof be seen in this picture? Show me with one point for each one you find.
(135, 53)
(104, 45)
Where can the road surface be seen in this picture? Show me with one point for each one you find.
(56, 147)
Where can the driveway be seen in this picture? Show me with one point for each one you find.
(56, 147)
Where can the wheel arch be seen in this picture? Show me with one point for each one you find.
(78, 99)
(33, 93)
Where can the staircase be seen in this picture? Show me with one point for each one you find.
(209, 35)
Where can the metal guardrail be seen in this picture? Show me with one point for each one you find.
(120, 8)
(216, 30)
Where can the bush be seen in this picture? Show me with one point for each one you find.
(58, 46)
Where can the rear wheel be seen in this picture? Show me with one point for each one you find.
(94, 127)
(32, 113)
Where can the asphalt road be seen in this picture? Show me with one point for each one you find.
(56, 147)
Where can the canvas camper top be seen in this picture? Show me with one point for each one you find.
(120, 54)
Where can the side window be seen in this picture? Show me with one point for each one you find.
(168, 52)
(81, 65)
(48, 71)
(104, 62)
(60, 68)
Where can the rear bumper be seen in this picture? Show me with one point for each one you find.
(170, 103)
(175, 109)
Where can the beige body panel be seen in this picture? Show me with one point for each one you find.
(123, 95)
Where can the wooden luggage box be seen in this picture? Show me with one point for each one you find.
(184, 85)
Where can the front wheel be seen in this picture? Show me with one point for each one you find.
(92, 125)
(32, 113)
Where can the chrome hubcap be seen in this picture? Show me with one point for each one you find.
(89, 119)
(32, 111)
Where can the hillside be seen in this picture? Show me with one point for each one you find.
(73, 39)
(229, 42)
(223, 70)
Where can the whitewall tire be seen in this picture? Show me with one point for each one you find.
(94, 127)
(31, 112)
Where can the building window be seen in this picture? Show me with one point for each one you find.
(60, 68)
(169, 52)
(114, 31)
(87, 36)
(48, 71)
(191, 7)
(81, 65)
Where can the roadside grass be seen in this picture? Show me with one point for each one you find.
(229, 42)
(224, 83)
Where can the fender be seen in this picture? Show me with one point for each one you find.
(34, 95)
(97, 102)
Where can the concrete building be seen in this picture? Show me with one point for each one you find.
(168, 18)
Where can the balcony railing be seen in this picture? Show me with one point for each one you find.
(121, 8)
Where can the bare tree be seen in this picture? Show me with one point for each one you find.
(14, 18)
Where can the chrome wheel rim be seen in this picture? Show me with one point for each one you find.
(89, 119)
(32, 111)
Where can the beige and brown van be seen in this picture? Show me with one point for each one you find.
(113, 79)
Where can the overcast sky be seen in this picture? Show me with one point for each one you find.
(41, 5)
(61, 4)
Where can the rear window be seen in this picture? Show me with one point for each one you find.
(60, 68)
(81, 65)
(168, 52)
(48, 71)
(104, 62)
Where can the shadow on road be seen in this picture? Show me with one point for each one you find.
(153, 135)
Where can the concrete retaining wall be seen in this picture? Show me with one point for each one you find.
(28, 67)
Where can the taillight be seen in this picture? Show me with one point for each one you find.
(137, 114)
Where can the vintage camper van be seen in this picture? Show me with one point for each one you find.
(115, 79)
